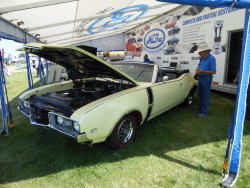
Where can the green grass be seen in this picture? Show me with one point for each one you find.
(176, 149)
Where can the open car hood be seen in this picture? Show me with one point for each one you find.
(79, 61)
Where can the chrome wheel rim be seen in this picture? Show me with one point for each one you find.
(190, 100)
(125, 131)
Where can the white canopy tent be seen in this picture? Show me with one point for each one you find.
(66, 22)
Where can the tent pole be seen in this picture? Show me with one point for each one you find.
(28, 70)
(4, 130)
(239, 116)
(40, 71)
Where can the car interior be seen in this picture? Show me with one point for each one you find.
(165, 74)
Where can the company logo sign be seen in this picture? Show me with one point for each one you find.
(118, 19)
(112, 42)
(154, 40)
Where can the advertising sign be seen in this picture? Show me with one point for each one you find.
(174, 37)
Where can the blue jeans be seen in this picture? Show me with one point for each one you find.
(204, 84)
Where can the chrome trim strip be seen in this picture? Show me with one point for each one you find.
(52, 127)
(46, 126)
(31, 121)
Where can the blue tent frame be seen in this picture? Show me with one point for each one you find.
(5, 106)
(4, 129)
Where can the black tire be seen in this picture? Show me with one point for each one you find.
(123, 133)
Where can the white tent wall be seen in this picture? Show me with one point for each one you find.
(174, 36)
(110, 43)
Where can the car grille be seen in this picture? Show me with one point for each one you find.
(36, 114)
(39, 115)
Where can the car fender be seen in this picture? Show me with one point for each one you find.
(109, 112)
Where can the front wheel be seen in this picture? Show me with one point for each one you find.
(123, 133)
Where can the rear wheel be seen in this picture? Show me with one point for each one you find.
(123, 133)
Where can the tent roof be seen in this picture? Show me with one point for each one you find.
(67, 22)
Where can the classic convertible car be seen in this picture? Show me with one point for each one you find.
(102, 101)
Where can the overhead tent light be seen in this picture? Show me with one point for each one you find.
(37, 35)
(20, 23)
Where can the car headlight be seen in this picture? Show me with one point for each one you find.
(59, 120)
(26, 104)
(67, 122)
(76, 126)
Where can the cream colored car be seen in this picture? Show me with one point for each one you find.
(103, 101)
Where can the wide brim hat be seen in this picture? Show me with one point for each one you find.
(105, 52)
(202, 47)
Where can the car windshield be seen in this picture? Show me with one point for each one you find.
(132, 41)
(141, 72)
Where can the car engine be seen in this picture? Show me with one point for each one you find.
(68, 101)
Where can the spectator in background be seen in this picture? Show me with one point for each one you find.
(146, 59)
(5, 71)
(42, 68)
(106, 56)
(37, 67)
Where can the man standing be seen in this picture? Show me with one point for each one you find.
(146, 59)
(106, 56)
(205, 70)
(37, 67)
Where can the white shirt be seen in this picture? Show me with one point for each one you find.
(36, 63)
(107, 59)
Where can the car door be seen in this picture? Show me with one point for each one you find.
(166, 94)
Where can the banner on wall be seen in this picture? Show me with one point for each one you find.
(174, 37)
(111, 43)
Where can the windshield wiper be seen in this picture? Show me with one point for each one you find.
(142, 71)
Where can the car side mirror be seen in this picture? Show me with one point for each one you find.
(165, 78)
